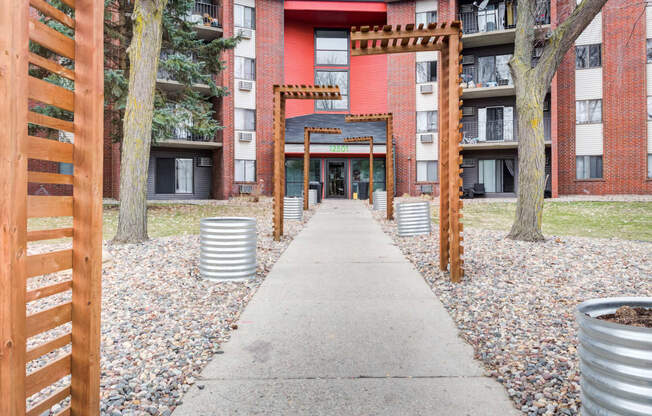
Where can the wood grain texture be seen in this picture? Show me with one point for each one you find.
(51, 66)
(49, 401)
(49, 206)
(51, 234)
(49, 290)
(50, 122)
(87, 218)
(47, 177)
(40, 264)
(46, 149)
(13, 211)
(51, 39)
(48, 93)
(51, 11)
(48, 347)
(44, 376)
(48, 319)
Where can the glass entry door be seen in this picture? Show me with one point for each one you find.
(336, 175)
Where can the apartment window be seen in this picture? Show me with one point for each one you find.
(426, 121)
(331, 47)
(245, 17)
(426, 72)
(65, 168)
(426, 17)
(649, 108)
(494, 70)
(174, 176)
(333, 77)
(649, 166)
(588, 167)
(588, 56)
(245, 170)
(649, 51)
(426, 171)
(245, 119)
(588, 111)
(245, 68)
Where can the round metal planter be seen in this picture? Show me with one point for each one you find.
(413, 218)
(227, 248)
(615, 360)
(292, 208)
(380, 200)
(312, 197)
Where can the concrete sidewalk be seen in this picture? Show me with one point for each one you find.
(344, 325)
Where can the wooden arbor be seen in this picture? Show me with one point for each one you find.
(281, 94)
(18, 270)
(389, 152)
(444, 38)
(306, 155)
(369, 139)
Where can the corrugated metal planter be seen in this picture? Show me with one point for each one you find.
(413, 218)
(292, 208)
(312, 197)
(227, 248)
(615, 360)
(380, 200)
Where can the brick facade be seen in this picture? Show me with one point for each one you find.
(401, 80)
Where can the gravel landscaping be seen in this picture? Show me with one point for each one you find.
(517, 301)
(161, 322)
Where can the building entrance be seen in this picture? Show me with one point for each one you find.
(336, 179)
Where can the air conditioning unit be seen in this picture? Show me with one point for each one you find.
(468, 59)
(246, 189)
(245, 136)
(468, 111)
(245, 85)
(546, 105)
(467, 163)
(427, 138)
(204, 162)
(426, 89)
(426, 189)
(245, 33)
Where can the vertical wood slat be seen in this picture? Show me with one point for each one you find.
(13, 203)
(453, 157)
(389, 170)
(443, 161)
(49, 401)
(306, 167)
(371, 171)
(278, 197)
(87, 208)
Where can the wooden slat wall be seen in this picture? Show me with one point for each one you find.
(85, 206)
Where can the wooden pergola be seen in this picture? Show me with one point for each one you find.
(445, 38)
(20, 270)
(282, 93)
(307, 131)
(365, 139)
(389, 152)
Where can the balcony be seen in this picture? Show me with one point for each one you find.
(494, 82)
(167, 82)
(184, 139)
(206, 18)
(495, 24)
(495, 134)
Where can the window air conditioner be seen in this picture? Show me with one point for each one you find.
(244, 136)
(468, 111)
(426, 89)
(245, 85)
(468, 59)
(204, 162)
(427, 138)
(245, 33)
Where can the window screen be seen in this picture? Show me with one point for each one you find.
(426, 171)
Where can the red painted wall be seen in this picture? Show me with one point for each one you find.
(368, 75)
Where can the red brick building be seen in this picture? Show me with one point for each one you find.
(596, 125)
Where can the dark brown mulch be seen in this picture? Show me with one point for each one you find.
(627, 315)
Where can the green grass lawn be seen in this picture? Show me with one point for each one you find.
(625, 220)
(164, 219)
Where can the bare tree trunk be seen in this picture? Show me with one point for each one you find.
(144, 53)
(531, 161)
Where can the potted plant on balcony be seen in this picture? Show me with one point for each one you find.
(615, 336)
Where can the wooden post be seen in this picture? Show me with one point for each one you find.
(389, 171)
(278, 192)
(87, 207)
(453, 157)
(13, 204)
(371, 171)
(443, 160)
(306, 166)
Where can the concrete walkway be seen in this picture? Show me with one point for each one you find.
(344, 325)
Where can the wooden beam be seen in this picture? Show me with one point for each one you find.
(278, 141)
(47, 403)
(453, 157)
(49, 206)
(47, 177)
(50, 122)
(51, 39)
(45, 291)
(87, 218)
(46, 149)
(50, 65)
(43, 377)
(50, 318)
(48, 347)
(51, 11)
(443, 160)
(51, 234)
(389, 167)
(13, 204)
(48, 93)
(397, 49)
(46, 263)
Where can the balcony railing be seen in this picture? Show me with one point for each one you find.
(184, 134)
(493, 18)
(495, 131)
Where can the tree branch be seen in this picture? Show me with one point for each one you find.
(564, 37)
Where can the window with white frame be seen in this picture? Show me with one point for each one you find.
(649, 108)
(245, 170)
(588, 111)
(649, 51)
(426, 72)
(244, 17)
(426, 17)
(245, 68)
(426, 171)
(588, 56)
(588, 167)
(649, 166)
(426, 121)
(245, 119)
